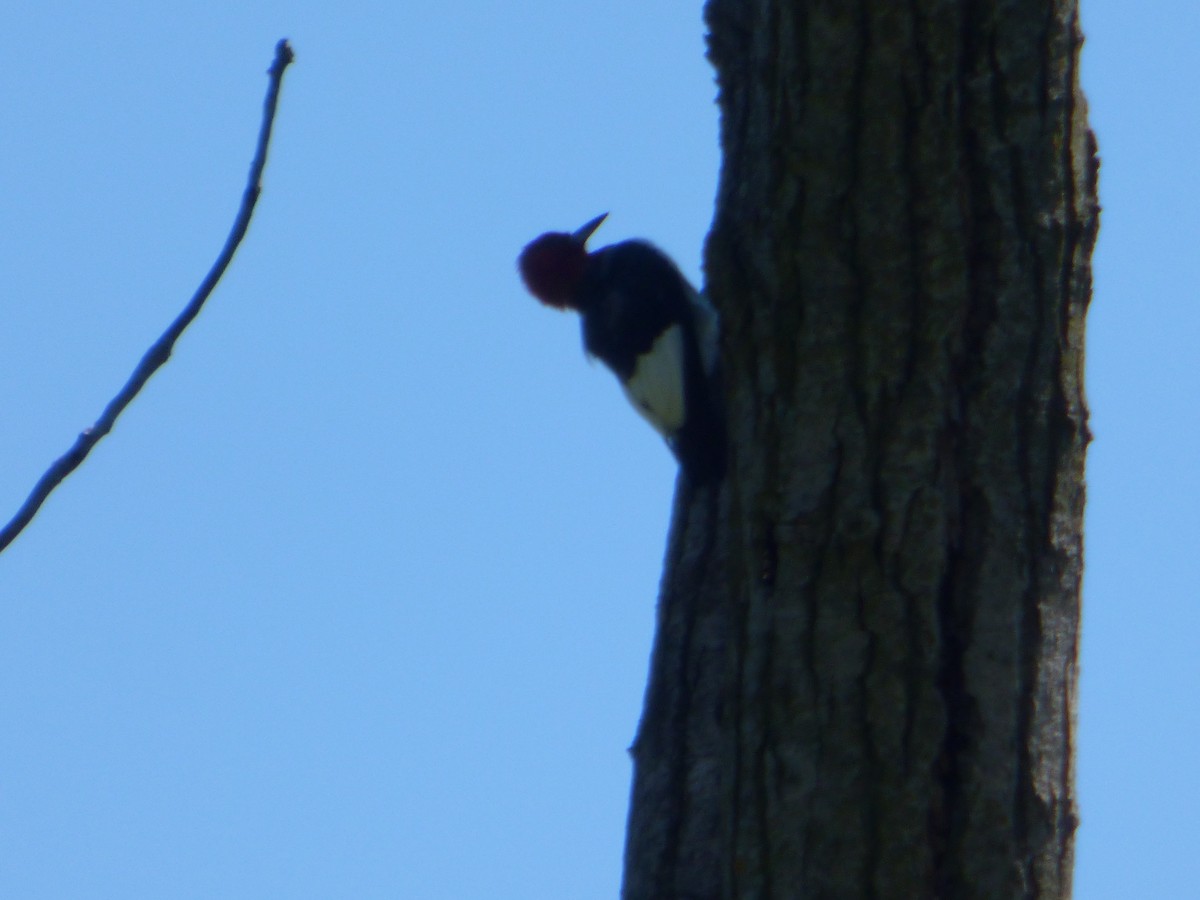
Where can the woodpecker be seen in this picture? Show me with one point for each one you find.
(644, 321)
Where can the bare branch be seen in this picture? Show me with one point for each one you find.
(160, 351)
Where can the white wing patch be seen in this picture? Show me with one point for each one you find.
(656, 386)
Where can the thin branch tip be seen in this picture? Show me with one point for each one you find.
(160, 351)
(284, 56)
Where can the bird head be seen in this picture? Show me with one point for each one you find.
(552, 265)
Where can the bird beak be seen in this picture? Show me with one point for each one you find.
(585, 231)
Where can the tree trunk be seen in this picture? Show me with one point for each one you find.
(864, 679)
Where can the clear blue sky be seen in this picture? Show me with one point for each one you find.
(357, 599)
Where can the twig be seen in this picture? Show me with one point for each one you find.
(160, 351)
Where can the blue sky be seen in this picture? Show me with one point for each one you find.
(357, 598)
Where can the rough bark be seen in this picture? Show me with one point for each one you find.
(863, 683)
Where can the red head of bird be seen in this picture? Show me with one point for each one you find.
(552, 266)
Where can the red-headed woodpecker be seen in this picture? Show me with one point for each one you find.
(646, 323)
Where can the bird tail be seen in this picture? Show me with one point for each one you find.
(700, 445)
